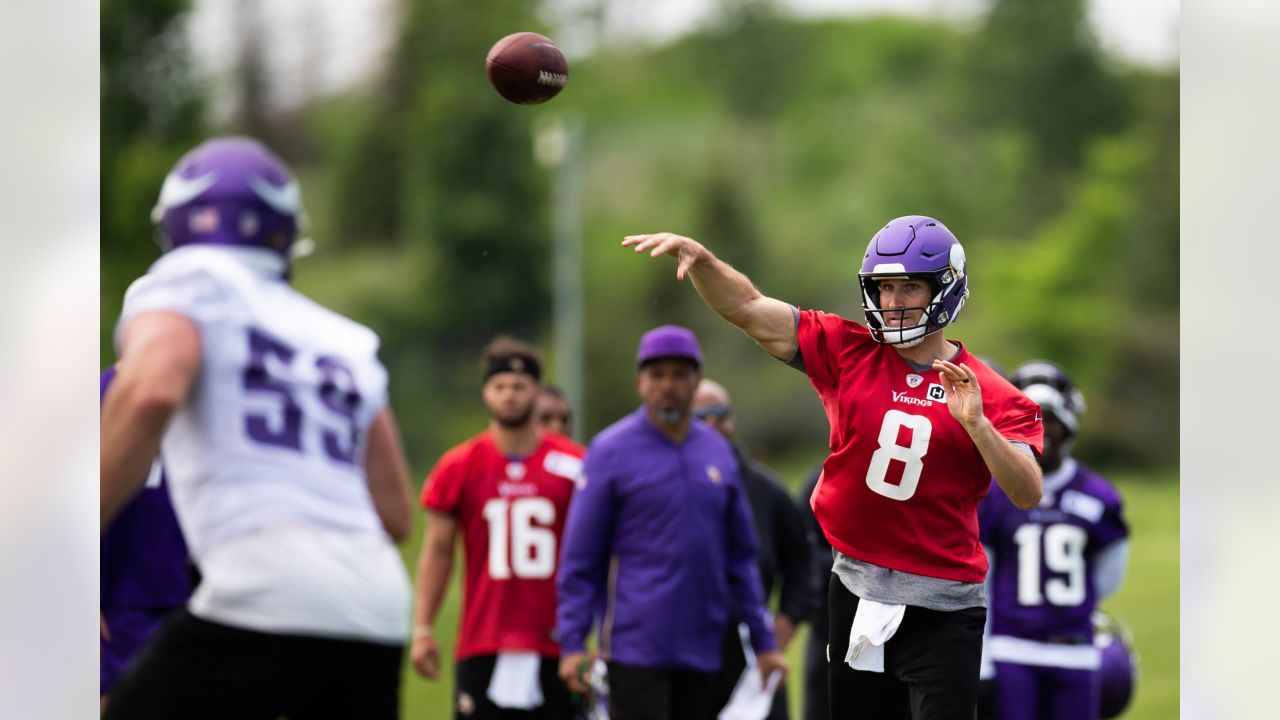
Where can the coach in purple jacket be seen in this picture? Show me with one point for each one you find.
(659, 543)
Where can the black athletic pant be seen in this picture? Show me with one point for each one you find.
(816, 698)
(930, 665)
(195, 669)
(472, 701)
(642, 693)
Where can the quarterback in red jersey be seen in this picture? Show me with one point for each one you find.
(506, 491)
(918, 426)
(917, 452)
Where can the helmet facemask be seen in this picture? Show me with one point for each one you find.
(890, 326)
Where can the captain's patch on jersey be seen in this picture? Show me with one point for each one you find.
(1086, 506)
(563, 464)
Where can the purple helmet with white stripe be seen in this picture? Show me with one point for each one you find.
(229, 191)
(1052, 389)
(916, 247)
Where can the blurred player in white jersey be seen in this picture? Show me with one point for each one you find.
(286, 470)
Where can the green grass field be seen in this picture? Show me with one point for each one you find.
(1148, 603)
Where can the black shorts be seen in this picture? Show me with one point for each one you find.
(931, 664)
(472, 699)
(196, 669)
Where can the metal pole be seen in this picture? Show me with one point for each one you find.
(559, 145)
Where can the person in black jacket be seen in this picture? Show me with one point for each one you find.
(816, 705)
(784, 558)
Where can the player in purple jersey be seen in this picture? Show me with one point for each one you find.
(1051, 566)
(143, 566)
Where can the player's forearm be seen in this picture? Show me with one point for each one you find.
(733, 297)
(131, 428)
(434, 566)
(388, 477)
(727, 291)
(1016, 472)
(1109, 569)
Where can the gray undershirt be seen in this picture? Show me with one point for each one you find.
(894, 587)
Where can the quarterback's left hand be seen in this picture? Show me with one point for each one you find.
(964, 396)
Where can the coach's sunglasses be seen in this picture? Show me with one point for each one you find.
(719, 412)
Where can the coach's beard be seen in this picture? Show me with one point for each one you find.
(519, 421)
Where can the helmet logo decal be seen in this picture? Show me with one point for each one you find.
(203, 221)
(178, 190)
(957, 259)
(285, 200)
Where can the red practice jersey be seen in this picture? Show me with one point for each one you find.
(511, 516)
(902, 485)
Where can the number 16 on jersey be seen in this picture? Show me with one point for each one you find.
(522, 542)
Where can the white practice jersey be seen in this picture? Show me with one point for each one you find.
(266, 456)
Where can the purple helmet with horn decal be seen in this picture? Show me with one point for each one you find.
(229, 191)
(914, 246)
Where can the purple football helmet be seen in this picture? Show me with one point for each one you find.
(1052, 389)
(914, 246)
(229, 191)
(1118, 671)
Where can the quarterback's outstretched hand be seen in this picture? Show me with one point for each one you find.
(685, 250)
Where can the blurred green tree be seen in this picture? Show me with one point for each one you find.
(1035, 66)
(443, 169)
(152, 110)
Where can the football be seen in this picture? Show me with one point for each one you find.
(527, 68)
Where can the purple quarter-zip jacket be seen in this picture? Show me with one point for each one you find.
(659, 547)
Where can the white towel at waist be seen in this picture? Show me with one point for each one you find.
(873, 624)
(515, 682)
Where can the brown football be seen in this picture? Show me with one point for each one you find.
(527, 68)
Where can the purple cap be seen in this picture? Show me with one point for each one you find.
(669, 341)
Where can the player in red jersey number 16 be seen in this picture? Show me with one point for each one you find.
(506, 493)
